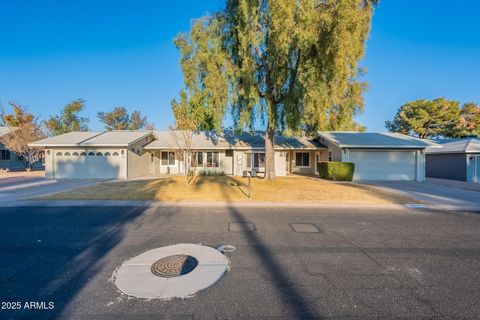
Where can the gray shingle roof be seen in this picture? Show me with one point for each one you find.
(229, 140)
(92, 139)
(467, 145)
(373, 140)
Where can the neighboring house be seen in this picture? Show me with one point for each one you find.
(378, 156)
(129, 154)
(9, 159)
(456, 160)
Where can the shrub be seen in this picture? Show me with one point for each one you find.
(211, 173)
(341, 171)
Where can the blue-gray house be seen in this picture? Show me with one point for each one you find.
(9, 159)
(456, 160)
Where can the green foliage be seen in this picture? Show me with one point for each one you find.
(120, 119)
(296, 61)
(211, 173)
(204, 100)
(69, 119)
(340, 171)
(436, 118)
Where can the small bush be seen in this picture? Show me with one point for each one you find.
(340, 171)
(209, 173)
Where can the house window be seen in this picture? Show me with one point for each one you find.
(228, 153)
(152, 158)
(4, 155)
(330, 156)
(200, 159)
(168, 158)
(259, 160)
(212, 159)
(302, 159)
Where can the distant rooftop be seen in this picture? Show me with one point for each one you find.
(466, 145)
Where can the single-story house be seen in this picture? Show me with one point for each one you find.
(129, 154)
(378, 156)
(456, 160)
(9, 159)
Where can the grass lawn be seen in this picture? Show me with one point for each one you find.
(226, 188)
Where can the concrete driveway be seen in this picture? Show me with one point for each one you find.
(436, 195)
(22, 187)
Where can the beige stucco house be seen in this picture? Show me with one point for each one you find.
(130, 154)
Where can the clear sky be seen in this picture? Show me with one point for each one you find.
(120, 53)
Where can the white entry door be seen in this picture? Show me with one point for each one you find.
(384, 165)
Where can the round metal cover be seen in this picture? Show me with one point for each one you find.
(174, 266)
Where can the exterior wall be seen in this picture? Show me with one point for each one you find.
(473, 167)
(447, 166)
(137, 160)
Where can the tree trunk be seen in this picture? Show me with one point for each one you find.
(270, 153)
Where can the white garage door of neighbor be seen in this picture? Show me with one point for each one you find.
(91, 164)
(384, 165)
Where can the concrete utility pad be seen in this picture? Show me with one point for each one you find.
(304, 227)
(136, 278)
(241, 226)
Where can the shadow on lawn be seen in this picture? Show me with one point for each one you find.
(56, 254)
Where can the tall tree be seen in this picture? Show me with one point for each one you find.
(24, 130)
(426, 118)
(120, 119)
(205, 70)
(469, 121)
(69, 119)
(296, 63)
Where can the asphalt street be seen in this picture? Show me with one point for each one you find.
(362, 263)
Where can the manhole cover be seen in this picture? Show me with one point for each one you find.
(174, 266)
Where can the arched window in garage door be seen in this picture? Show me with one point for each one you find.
(59, 154)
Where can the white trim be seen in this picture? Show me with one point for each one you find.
(477, 159)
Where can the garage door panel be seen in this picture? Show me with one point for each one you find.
(91, 165)
(391, 165)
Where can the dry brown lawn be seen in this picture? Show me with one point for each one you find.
(226, 188)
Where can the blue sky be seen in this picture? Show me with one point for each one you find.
(120, 53)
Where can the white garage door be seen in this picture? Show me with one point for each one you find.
(86, 164)
(384, 165)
